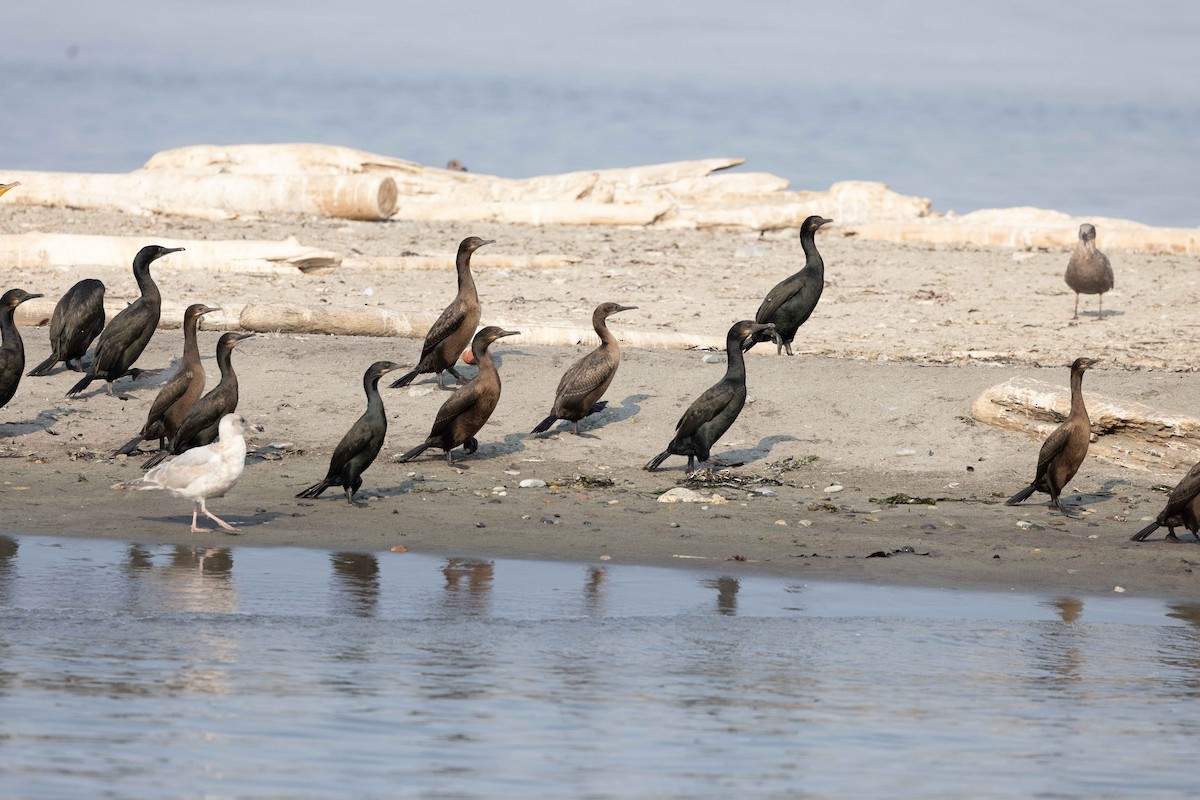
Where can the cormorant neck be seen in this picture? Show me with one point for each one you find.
(736, 367)
(1077, 407)
(600, 324)
(808, 240)
(463, 265)
(146, 284)
(371, 387)
(8, 326)
(191, 352)
(225, 364)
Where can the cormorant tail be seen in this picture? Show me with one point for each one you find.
(315, 490)
(658, 459)
(83, 384)
(129, 448)
(1141, 535)
(45, 367)
(1021, 496)
(156, 459)
(416, 451)
(405, 379)
(545, 424)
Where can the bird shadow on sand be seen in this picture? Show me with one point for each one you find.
(144, 379)
(512, 443)
(598, 420)
(243, 522)
(1105, 493)
(1108, 312)
(748, 455)
(42, 422)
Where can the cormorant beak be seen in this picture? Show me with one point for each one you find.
(624, 308)
(241, 336)
(4, 187)
(825, 221)
(167, 251)
(31, 296)
(502, 334)
(208, 310)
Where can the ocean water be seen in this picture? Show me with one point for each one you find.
(132, 670)
(1089, 108)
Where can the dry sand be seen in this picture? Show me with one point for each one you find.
(877, 402)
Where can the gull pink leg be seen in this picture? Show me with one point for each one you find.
(215, 518)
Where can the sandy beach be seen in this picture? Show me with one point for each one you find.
(876, 402)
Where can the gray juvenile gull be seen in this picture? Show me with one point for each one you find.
(1089, 271)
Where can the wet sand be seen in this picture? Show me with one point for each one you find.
(877, 402)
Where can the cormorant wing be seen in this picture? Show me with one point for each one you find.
(450, 320)
(705, 407)
(457, 404)
(168, 394)
(782, 292)
(353, 443)
(1184, 493)
(584, 376)
(1054, 444)
(205, 412)
(123, 329)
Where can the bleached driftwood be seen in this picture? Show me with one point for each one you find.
(215, 196)
(1131, 434)
(287, 318)
(480, 261)
(1028, 228)
(36, 313)
(535, 213)
(286, 257)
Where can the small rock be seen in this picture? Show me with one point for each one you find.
(399, 548)
(714, 358)
(674, 524)
(419, 391)
(606, 558)
(512, 472)
(833, 487)
(681, 495)
(532, 483)
(805, 523)
(906, 451)
(1119, 589)
(281, 445)
(782, 522)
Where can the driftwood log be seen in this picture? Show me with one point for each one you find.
(247, 256)
(286, 318)
(479, 261)
(36, 313)
(1130, 434)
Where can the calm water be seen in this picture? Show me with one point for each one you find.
(1088, 107)
(158, 671)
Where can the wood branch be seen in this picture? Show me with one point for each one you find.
(218, 196)
(1130, 434)
(286, 257)
(287, 318)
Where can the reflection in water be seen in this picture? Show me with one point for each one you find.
(727, 589)
(1184, 654)
(593, 591)
(357, 582)
(1069, 608)
(8, 554)
(1058, 651)
(468, 585)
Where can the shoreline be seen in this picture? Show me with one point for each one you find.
(877, 400)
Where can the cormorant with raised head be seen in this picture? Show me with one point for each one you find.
(587, 380)
(1064, 450)
(129, 332)
(466, 411)
(199, 425)
(361, 444)
(178, 394)
(12, 349)
(454, 328)
(1182, 510)
(77, 320)
(1089, 271)
(711, 414)
(791, 302)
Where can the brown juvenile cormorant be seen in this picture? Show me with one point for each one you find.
(1089, 270)
(587, 380)
(454, 328)
(179, 393)
(361, 444)
(1065, 448)
(12, 349)
(711, 414)
(791, 302)
(466, 411)
(127, 335)
(1183, 509)
(199, 425)
(77, 320)
(205, 472)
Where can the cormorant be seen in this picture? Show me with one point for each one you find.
(77, 320)
(1183, 509)
(791, 302)
(12, 349)
(203, 473)
(361, 444)
(1065, 448)
(199, 425)
(711, 414)
(466, 411)
(453, 329)
(587, 380)
(1089, 271)
(180, 392)
(127, 335)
